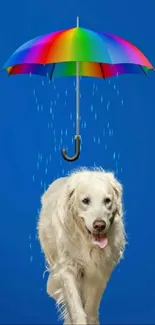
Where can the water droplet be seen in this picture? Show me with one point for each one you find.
(108, 105)
(31, 259)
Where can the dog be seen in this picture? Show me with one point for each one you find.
(82, 234)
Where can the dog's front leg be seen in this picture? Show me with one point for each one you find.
(72, 297)
(92, 294)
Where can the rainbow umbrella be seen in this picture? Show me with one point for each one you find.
(77, 52)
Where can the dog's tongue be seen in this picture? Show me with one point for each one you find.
(100, 240)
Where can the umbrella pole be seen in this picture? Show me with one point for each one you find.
(77, 137)
(77, 94)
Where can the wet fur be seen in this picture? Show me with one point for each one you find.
(78, 270)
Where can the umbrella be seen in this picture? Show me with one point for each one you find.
(77, 52)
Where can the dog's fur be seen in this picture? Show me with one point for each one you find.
(79, 269)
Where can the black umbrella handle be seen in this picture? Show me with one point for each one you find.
(77, 150)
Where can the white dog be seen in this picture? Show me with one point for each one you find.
(82, 234)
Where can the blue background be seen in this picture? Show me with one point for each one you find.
(117, 127)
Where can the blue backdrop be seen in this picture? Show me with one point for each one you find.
(117, 127)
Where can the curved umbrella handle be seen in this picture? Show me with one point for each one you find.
(77, 150)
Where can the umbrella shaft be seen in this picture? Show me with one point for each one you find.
(77, 99)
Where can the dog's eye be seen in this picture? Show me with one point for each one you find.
(86, 200)
(107, 200)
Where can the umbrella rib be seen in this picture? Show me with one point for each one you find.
(102, 71)
(51, 75)
(143, 70)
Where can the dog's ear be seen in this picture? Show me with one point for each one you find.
(71, 186)
(71, 194)
(117, 187)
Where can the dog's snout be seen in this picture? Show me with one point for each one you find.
(99, 225)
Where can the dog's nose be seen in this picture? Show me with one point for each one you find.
(99, 225)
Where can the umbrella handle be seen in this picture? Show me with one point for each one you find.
(77, 150)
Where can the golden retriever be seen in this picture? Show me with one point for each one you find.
(81, 231)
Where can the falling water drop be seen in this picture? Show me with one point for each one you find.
(108, 105)
(31, 259)
(91, 108)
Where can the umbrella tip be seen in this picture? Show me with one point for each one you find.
(77, 21)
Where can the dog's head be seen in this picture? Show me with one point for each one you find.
(95, 197)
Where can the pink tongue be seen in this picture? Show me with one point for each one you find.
(100, 240)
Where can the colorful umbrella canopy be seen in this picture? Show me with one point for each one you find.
(77, 52)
